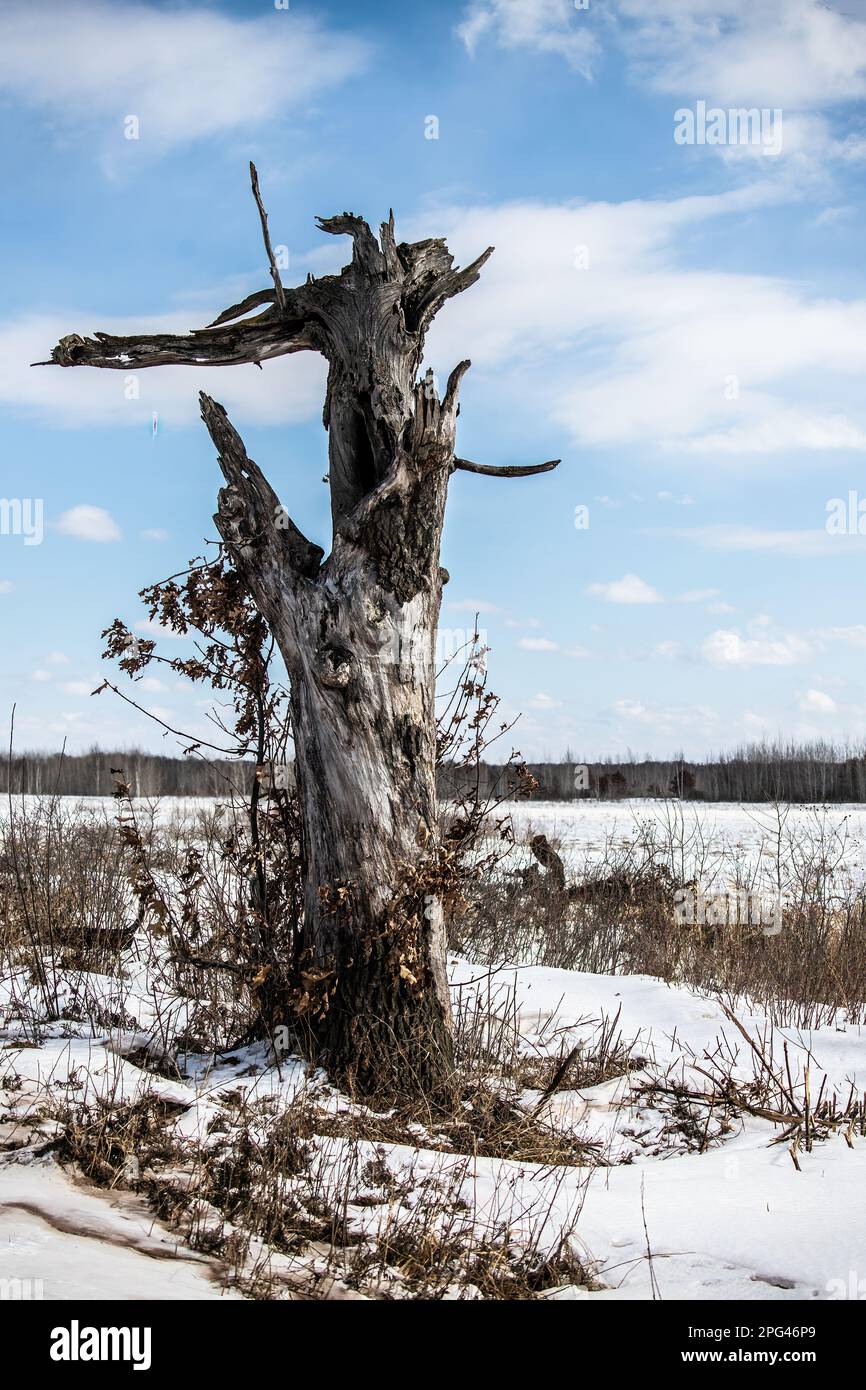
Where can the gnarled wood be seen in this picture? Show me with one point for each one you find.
(519, 470)
(357, 629)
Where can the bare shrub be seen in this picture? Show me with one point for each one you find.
(65, 904)
(617, 914)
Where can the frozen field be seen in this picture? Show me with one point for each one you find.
(657, 1218)
(700, 836)
(711, 842)
(681, 1201)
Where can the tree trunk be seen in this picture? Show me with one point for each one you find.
(365, 761)
(357, 632)
(362, 669)
(358, 636)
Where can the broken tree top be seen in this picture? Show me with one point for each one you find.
(369, 322)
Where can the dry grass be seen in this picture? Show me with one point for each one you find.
(745, 1076)
(618, 917)
(306, 1199)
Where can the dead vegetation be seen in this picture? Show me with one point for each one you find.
(705, 1095)
(307, 1198)
(325, 1197)
(618, 915)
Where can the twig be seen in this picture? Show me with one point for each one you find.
(275, 274)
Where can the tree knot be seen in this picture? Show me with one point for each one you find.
(336, 667)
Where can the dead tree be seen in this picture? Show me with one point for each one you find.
(356, 630)
(548, 858)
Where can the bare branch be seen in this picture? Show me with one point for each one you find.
(459, 280)
(251, 520)
(254, 340)
(275, 274)
(305, 318)
(252, 301)
(518, 471)
(178, 733)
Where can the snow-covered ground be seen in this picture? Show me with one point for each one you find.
(740, 1216)
(748, 836)
(64, 1239)
(736, 1221)
(723, 833)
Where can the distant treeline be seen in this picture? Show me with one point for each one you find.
(93, 774)
(759, 772)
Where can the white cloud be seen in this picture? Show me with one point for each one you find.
(631, 709)
(542, 701)
(640, 347)
(473, 605)
(853, 636)
(804, 544)
(665, 719)
(696, 595)
(6, 586)
(57, 659)
(802, 54)
(149, 627)
(788, 429)
(186, 73)
(87, 523)
(630, 589)
(154, 533)
(161, 712)
(829, 217)
(41, 676)
(800, 57)
(797, 61)
(643, 345)
(538, 644)
(728, 648)
(807, 141)
(78, 687)
(817, 702)
(542, 26)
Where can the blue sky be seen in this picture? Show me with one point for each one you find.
(683, 324)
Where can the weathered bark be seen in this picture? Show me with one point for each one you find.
(357, 631)
(358, 637)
